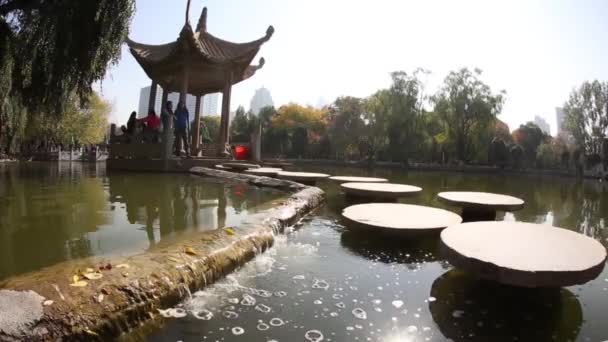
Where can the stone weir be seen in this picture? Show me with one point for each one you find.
(54, 304)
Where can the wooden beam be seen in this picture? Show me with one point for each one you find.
(225, 119)
(196, 130)
(152, 98)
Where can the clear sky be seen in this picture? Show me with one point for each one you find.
(535, 50)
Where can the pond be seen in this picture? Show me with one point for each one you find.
(324, 283)
(52, 212)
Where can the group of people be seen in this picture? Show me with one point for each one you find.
(151, 125)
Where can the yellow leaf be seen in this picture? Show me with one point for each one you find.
(92, 276)
(75, 278)
(229, 231)
(89, 270)
(90, 332)
(125, 274)
(100, 298)
(80, 283)
(122, 266)
(190, 251)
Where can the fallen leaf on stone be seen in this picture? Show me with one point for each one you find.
(90, 332)
(48, 302)
(122, 266)
(92, 276)
(89, 270)
(75, 278)
(79, 283)
(229, 231)
(125, 274)
(190, 251)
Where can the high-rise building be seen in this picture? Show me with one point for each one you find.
(209, 106)
(561, 117)
(542, 124)
(260, 99)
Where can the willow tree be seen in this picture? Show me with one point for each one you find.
(466, 105)
(51, 49)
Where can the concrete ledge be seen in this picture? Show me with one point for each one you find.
(157, 279)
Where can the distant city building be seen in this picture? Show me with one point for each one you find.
(261, 99)
(209, 107)
(561, 117)
(542, 124)
(322, 103)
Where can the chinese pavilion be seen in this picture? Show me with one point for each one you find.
(198, 63)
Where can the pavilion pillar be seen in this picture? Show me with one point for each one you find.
(167, 134)
(196, 130)
(183, 96)
(151, 98)
(225, 119)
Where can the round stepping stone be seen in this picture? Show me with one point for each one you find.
(524, 254)
(390, 191)
(264, 171)
(462, 305)
(398, 218)
(221, 167)
(302, 177)
(240, 166)
(349, 179)
(480, 206)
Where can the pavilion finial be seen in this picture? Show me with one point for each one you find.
(188, 12)
(202, 22)
(269, 32)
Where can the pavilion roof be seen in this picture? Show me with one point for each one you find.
(210, 60)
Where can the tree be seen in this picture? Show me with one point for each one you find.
(586, 115)
(240, 128)
(346, 122)
(51, 50)
(210, 128)
(290, 123)
(406, 98)
(465, 103)
(529, 137)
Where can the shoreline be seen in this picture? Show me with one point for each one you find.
(160, 278)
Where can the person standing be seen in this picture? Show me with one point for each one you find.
(182, 127)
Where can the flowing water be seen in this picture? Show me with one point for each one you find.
(324, 283)
(320, 282)
(52, 212)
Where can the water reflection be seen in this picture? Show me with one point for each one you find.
(72, 210)
(404, 251)
(468, 309)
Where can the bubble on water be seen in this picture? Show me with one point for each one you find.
(203, 314)
(276, 322)
(280, 294)
(320, 284)
(238, 331)
(417, 315)
(263, 326)
(397, 303)
(175, 313)
(247, 300)
(349, 328)
(232, 300)
(299, 277)
(412, 329)
(358, 326)
(394, 319)
(336, 296)
(426, 329)
(314, 336)
(377, 301)
(333, 314)
(230, 314)
(263, 293)
(341, 305)
(359, 313)
(165, 313)
(318, 302)
(457, 313)
(263, 308)
(353, 288)
(432, 299)
(378, 309)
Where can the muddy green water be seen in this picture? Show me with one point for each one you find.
(324, 281)
(51, 212)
